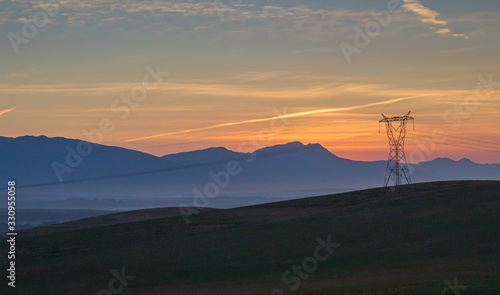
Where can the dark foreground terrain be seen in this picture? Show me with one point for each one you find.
(30, 218)
(406, 242)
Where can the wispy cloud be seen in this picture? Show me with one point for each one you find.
(293, 115)
(457, 50)
(430, 16)
(6, 111)
(187, 108)
(299, 21)
(23, 74)
(273, 88)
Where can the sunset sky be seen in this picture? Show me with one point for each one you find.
(232, 68)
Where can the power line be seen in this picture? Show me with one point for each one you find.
(154, 171)
(464, 145)
(473, 141)
(460, 140)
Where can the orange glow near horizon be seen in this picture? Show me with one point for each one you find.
(367, 146)
(343, 118)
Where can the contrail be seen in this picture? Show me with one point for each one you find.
(6, 111)
(299, 114)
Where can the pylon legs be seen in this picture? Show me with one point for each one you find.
(396, 171)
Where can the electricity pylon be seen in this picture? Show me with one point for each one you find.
(397, 166)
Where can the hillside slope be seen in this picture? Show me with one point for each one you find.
(405, 242)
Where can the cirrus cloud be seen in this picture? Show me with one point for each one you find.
(430, 16)
(6, 111)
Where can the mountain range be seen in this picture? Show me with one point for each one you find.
(61, 173)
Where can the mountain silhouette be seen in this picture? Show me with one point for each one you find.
(115, 178)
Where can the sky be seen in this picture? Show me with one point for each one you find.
(227, 73)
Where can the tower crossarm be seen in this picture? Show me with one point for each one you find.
(398, 118)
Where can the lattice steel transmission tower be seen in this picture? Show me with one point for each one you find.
(397, 166)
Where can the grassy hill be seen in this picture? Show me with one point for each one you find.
(405, 242)
(30, 218)
(106, 220)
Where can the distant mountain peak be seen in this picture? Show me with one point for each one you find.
(315, 145)
(294, 144)
(449, 160)
(203, 156)
(443, 159)
(216, 149)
